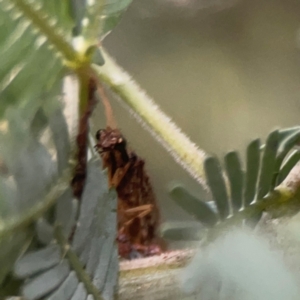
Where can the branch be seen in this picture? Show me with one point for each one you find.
(153, 277)
(183, 150)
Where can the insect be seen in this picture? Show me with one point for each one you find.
(138, 215)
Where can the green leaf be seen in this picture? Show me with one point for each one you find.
(59, 129)
(217, 185)
(32, 171)
(30, 70)
(102, 16)
(67, 289)
(192, 205)
(236, 178)
(268, 165)
(77, 12)
(283, 133)
(257, 189)
(96, 56)
(89, 265)
(44, 231)
(48, 281)
(35, 262)
(66, 211)
(253, 163)
(285, 147)
(288, 165)
(61, 12)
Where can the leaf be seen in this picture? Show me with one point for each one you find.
(90, 264)
(262, 176)
(113, 13)
(41, 285)
(192, 205)
(288, 165)
(102, 17)
(77, 12)
(236, 176)
(60, 11)
(67, 289)
(94, 190)
(253, 164)
(66, 212)
(96, 56)
(44, 231)
(58, 126)
(28, 162)
(283, 133)
(285, 147)
(217, 186)
(34, 37)
(8, 196)
(268, 165)
(31, 171)
(38, 261)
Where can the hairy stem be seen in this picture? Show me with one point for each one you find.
(160, 125)
(49, 31)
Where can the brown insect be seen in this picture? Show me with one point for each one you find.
(138, 215)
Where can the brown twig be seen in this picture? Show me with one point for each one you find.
(78, 180)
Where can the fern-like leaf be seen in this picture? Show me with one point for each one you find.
(32, 53)
(29, 170)
(247, 192)
(87, 266)
(36, 49)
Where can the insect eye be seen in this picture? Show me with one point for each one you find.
(120, 140)
(98, 134)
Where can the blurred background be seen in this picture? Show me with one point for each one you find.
(226, 71)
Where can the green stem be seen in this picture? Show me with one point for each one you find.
(76, 264)
(50, 32)
(160, 125)
(31, 215)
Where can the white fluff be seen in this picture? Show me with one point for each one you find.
(241, 266)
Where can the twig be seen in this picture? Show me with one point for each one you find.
(183, 150)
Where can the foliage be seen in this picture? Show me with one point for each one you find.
(38, 213)
(53, 246)
(87, 266)
(242, 195)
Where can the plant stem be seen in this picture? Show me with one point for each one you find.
(183, 150)
(76, 264)
(31, 215)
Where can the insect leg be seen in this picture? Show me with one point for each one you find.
(142, 210)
